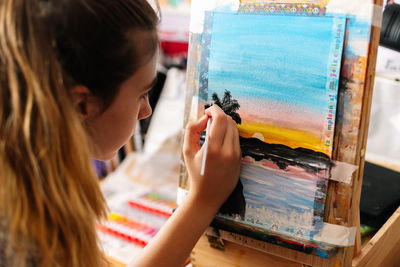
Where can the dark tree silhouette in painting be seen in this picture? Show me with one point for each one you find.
(235, 205)
(228, 105)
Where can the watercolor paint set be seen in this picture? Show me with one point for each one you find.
(128, 230)
(155, 204)
(138, 219)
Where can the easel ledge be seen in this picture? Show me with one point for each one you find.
(382, 250)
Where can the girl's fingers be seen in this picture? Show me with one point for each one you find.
(231, 142)
(236, 142)
(218, 125)
(192, 135)
(229, 136)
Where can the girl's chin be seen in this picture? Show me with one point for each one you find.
(105, 156)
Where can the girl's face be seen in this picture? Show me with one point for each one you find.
(112, 128)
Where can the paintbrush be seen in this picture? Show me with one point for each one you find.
(203, 161)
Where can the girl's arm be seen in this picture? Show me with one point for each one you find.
(172, 245)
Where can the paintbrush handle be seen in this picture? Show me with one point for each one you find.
(203, 161)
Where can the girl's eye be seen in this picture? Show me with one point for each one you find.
(146, 95)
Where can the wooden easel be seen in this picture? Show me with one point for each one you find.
(342, 206)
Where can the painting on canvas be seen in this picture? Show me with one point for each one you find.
(281, 79)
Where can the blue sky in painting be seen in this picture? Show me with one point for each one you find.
(284, 61)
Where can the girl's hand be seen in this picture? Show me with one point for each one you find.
(207, 193)
(223, 158)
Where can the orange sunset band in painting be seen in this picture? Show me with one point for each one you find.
(274, 134)
(277, 123)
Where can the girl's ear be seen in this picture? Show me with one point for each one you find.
(85, 103)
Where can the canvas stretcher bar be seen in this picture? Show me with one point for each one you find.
(351, 136)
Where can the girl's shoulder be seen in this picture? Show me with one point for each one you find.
(4, 253)
(8, 257)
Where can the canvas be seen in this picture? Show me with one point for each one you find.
(285, 110)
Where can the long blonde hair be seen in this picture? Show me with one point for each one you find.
(49, 196)
(50, 199)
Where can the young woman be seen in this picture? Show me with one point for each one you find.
(74, 78)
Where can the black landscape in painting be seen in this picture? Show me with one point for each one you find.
(284, 156)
